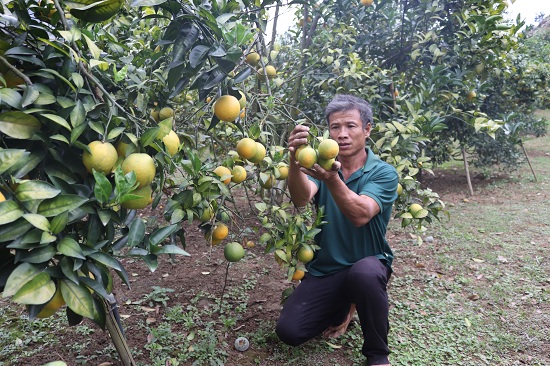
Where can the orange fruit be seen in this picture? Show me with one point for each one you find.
(471, 95)
(305, 254)
(243, 114)
(307, 157)
(399, 189)
(210, 240)
(253, 58)
(415, 208)
(102, 158)
(250, 244)
(207, 214)
(238, 174)
(298, 275)
(2, 197)
(246, 148)
(145, 198)
(259, 155)
(223, 171)
(269, 70)
(143, 165)
(155, 114)
(326, 164)
(172, 143)
(220, 231)
(283, 171)
(233, 252)
(52, 305)
(166, 113)
(299, 150)
(328, 149)
(366, 2)
(227, 108)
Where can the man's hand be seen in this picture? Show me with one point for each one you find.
(297, 138)
(319, 173)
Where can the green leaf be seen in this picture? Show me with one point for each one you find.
(37, 255)
(9, 212)
(59, 120)
(59, 223)
(151, 262)
(29, 96)
(170, 249)
(136, 233)
(159, 235)
(78, 298)
(78, 114)
(139, 3)
(69, 247)
(22, 274)
(38, 221)
(115, 132)
(198, 55)
(11, 157)
(14, 229)
(19, 125)
(105, 259)
(149, 136)
(102, 188)
(11, 98)
(39, 290)
(67, 267)
(78, 80)
(35, 190)
(120, 75)
(60, 204)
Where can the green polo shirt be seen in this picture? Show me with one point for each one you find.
(342, 244)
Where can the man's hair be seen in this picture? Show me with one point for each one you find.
(346, 102)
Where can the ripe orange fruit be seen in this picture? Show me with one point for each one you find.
(259, 155)
(222, 171)
(53, 305)
(283, 171)
(220, 231)
(399, 189)
(144, 200)
(250, 244)
(243, 114)
(471, 95)
(210, 240)
(166, 113)
(328, 149)
(305, 254)
(233, 252)
(102, 158)
(253, 58)
(143, 165)
(307, 157)
(227, 108)
(238, 174)
(172, 143)
(269, 70)
(298, 275)
(415, 208)
(366, 2)
(299, 150)
(2, 197)
(246, 148)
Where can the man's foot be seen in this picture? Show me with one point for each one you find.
(338, 330)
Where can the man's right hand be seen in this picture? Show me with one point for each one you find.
(297, 138)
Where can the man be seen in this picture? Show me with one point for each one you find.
(353, 266)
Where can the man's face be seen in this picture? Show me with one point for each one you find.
(347, 129)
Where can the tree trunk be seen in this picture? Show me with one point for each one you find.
(467, 169)
(114, 327)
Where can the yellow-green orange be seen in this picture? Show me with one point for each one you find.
(207, 214)
(471, 95)
(269, 181)
(328, 149)
(144, 199)
(155, 114)
(102, 158)
(53, 305)
(166, 113)
(172, 143)
(2, 197)
(238, 174)
(326, 163)
(253, 58)
(269, 70)
(227, 108)
(307, 157)
(305, 254)
(399, 189)
(143, 165)
(299, 150)
(259, 155)
(246, 148)
(233, 251)
(222, 171)
(415, 208)
(283, 171)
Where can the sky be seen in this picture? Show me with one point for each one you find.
(529, 9)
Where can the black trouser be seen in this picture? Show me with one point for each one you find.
(320, 302)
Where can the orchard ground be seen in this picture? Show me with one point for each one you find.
(474, 291)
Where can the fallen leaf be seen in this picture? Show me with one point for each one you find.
(145, 308)
(150, 320)
(478, 260)
(205, 273)
(165, 275)
(135, 274)
(467, 322)
(502, 259)
(331, 345)
(473, 297)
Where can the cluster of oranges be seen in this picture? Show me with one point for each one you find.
(325, 154)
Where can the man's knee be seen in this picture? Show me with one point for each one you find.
(369, 273)
(288, 334)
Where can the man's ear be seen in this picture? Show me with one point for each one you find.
(368, 129)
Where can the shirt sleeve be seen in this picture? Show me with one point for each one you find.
(381, 186)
